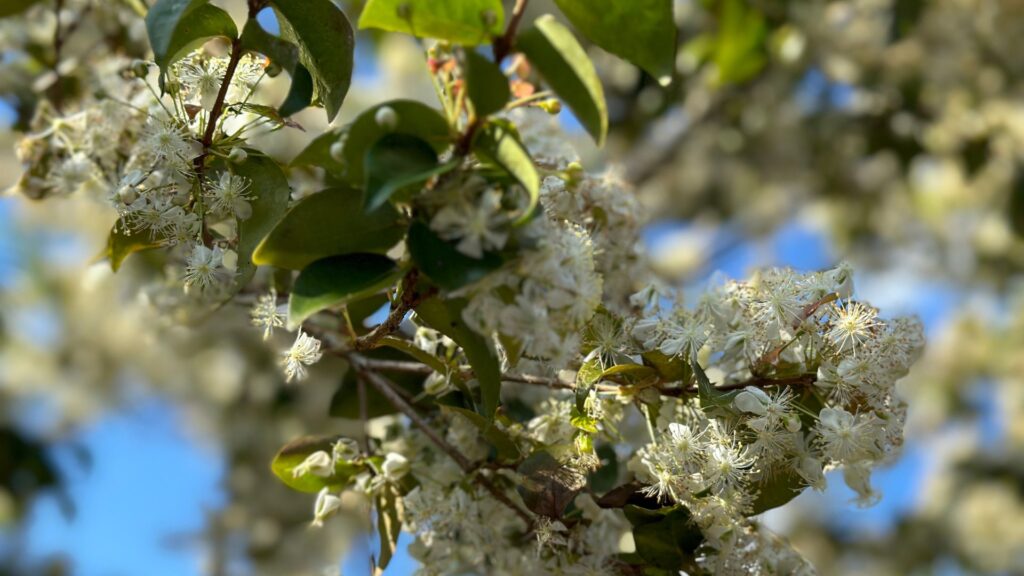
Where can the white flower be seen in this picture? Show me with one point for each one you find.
(304, 352)
(683, 336)
(229, 195)
(326, 505)
(165, 140)
(395, 466)
(476, 226)
(852, 325)
(266, 313)
(201, 78)
(843, 436)
(318, 463)
(204, 268)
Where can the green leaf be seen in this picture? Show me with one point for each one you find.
(583, 422)
(561, 61)
(296, 451)
(641, 31)
(504, 444)
(711, 398)
(177, 26)
(486, 85)
(270, 191)
(318, 153)
(121, 245)
(466, 22)
(629, 372)
(665, 538)
(12, 7)
(411, 118)
(498, 145)
(604, 478)
(328, 223)
(776, 490)
(338, 280)
(324, 37)
(395, 162)
(445, 316)
(300, 95)
(740, 42)
(1015, 209)
(443, 263)
(671, 368)
(389, 524)
(411, 349)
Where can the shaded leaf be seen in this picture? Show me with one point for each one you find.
(120, 245)
(665, 538)
(445, 316)
(277, 50)
(329, 223)
(499, 145)
(466, 22)
(177, 26)
(300, 95)
(671, 368)
(397, 161)
(324, 37)
(443, 263)
(565, 67)
(411, 118)
(337, 280)
(776, 490)
(641, 31)
(270, 191)
(12, 7)
(486, 85)
(605, 477)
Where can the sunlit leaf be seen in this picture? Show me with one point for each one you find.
(466, 22)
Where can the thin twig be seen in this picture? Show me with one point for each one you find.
(384, 386)
(410, 298)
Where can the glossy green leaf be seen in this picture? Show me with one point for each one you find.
(443, 263)
(410, 117)
(324, 37)
(396, 162)
(270, 194)
(12, 7)
(504, 444)
(176, 26)
(565, 67)
(121, 245)
(466, 22)
(497, 144)
(486, 85)
(329, 223)
(665, 538)
(296, 451)
(389, 524)
(776, 490)
(300, 95)
(445, 316)
(641, 31)
(318, 153)
(338, 280)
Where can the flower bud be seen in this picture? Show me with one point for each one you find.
(128, 194)
(140, 68)
(551, 105)
(237, 155)
(337, 151)
(395, 466)
(386, 118)
(318, 463)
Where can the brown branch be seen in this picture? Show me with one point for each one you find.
(411, 297)
(386, 389)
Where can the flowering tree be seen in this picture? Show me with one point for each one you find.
(548, 404)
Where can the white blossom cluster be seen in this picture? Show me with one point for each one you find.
(137, 151)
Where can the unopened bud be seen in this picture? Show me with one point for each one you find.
(237, 155)
(573, 172)
(337, 151)
(140, 68)
(551, 105)
(386, 118)
(128, 194)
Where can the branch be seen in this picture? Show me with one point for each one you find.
(386, 389)
(411, 298)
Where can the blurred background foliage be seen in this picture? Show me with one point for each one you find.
(889, 133)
